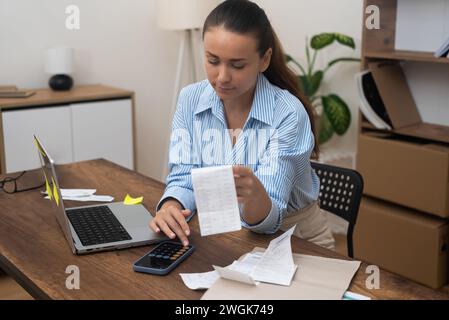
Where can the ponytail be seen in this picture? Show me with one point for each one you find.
(280, 75)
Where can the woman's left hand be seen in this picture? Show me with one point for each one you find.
(252, 194)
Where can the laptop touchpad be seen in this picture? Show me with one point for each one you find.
(131, 216)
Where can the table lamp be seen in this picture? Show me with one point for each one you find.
(59, 63)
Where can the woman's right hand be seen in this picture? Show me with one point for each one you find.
(171, 219)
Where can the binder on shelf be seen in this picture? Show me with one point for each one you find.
(371, 104)
(397, 98)
(443, 51)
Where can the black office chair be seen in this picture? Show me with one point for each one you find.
(340, 193)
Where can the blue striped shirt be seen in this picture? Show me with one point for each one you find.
(276, 143)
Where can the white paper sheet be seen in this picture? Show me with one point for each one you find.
(198, 281)
(76, 192)
(276, 264)
(248, 263)
(82, 195)
(216, 200)
(229, 273)
(87, 198)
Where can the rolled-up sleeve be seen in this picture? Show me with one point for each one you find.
(179, 181)
(266, 226)
(284, 161)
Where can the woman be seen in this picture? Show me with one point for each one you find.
(248, 113)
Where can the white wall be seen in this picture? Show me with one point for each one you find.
(119, 44)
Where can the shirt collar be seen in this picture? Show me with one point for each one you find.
(263, 102)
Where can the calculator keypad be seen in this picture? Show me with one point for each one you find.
(168, 251)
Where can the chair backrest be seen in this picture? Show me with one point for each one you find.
(340, 193)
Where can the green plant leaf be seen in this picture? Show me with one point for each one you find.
(303, 84)
(321, 40)
(331, 63)
(345, 40)
(337, 112)
(315, 82)
(325, 129)
(310, 85)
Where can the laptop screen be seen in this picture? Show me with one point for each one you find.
(52, 189)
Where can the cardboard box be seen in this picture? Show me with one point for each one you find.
(408, 173)
(403, 241)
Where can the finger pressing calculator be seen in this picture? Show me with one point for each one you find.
(163, 258)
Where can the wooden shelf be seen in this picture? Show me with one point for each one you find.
(426, 131)
(405, 55)
(367, 125)
(76, 94)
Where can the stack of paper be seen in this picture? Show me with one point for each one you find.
(443, 51)
(274, 274)
(275, 265)
(82, 195)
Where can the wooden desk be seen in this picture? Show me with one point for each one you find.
(34, 251)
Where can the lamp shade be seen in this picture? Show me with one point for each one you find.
(59, 60)
(184, 14)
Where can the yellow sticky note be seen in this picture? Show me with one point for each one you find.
(131, 201)
(48, 189)
(55, 192)
(39, 148)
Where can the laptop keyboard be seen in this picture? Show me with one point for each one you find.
(97, 225)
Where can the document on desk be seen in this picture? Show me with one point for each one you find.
(237, 271)
(216, 200)
(198, 281)
(82, 195)
(276, 264)
(76, 192)
(88, 198)
(316, 278)
(235, 275)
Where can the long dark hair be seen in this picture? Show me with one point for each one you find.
(243, 17)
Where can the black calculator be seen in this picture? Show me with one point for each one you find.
(163, 258)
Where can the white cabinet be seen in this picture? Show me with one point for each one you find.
(52, 125)
(71, 132)
(103, 130)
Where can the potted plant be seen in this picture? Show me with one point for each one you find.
(333, 113)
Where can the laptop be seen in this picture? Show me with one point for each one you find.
(97, 227)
